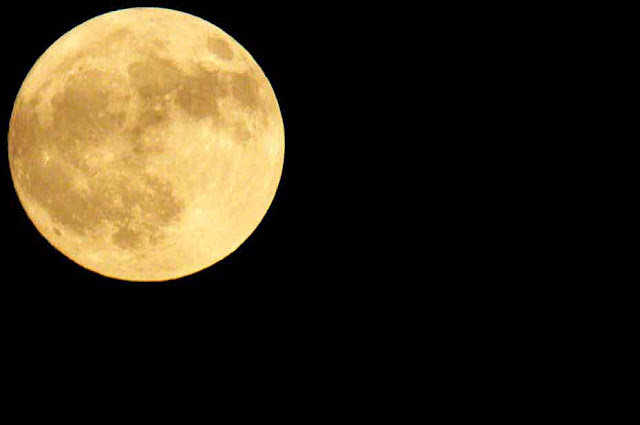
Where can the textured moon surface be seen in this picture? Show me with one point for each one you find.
(146, 144)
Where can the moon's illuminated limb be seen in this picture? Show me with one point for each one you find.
(146, 144)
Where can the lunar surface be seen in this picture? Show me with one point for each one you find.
(146, 144)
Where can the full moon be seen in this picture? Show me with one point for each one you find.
(146, 144)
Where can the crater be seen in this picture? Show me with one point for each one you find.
(158, 200)
(100, 48)
(153, 113)
(153, 207)
(241, 133)
(114, 39)
(246, 90)
(139, 205)
(200, 93)
(154, 76)
(52, 185)
(81, 112)
(126, 237)
(25, 131)
(220, 48)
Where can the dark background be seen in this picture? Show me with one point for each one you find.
(290, 306)
(292, 262)
(304, 302)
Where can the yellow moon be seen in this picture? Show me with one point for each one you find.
(146, 144)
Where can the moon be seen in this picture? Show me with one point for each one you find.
(146, 144)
